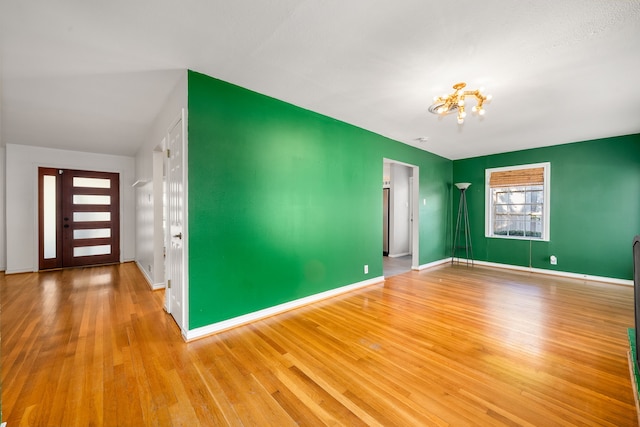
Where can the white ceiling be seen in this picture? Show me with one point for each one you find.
(91, 75)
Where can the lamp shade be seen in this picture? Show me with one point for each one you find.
(462, 185)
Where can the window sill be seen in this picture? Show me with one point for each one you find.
(533, 239)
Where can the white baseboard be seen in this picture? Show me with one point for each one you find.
(153, 286)
(432, 264)
(157, 286)
(533, 270)
(19, 271)
(267, 312)
(558, 273)
(399, 255)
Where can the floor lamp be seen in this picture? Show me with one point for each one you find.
(462, 222)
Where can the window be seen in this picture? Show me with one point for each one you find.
(518, 202)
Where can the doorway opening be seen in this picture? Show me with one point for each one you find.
(78, 218)
(400, 217)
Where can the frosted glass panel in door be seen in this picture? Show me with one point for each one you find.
(91, 182)
(91, 250)
(92, 233)
(86, 199)
(50, 216)
(91, 216)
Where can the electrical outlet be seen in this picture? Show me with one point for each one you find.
(366, 269)
(553, 260)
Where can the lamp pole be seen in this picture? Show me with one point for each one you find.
(462, 222)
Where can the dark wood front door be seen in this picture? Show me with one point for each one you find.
(79, 218)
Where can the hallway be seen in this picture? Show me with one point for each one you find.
(395, 266)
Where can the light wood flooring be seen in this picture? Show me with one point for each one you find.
(449, 346)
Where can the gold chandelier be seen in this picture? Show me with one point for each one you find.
(455, 102)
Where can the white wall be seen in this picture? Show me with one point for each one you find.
(22, 198)
(149, 238)
(399, 228)
(144, 227)
(3, 226)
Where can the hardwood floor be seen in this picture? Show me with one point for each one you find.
(451, 346)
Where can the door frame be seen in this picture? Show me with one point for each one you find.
(65, 192)
(184, 318)
(386, 195)
(414, 235)
(159, 252)
(35, 208)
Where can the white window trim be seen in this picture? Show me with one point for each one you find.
(546, 208)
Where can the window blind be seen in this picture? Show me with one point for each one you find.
(517, 177)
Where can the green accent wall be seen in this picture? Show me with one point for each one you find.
(285, 203)
(595, 207)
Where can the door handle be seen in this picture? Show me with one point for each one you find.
(179, 235)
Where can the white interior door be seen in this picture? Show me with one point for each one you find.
(176, 216)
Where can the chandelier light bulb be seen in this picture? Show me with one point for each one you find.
(474, 108)
(460, 120)
(481, 112)
(489, 98)
(463, 114)
(461, 102)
